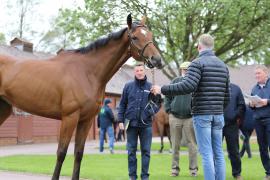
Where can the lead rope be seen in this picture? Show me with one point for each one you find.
(150, 102)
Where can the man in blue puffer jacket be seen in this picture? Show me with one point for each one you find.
(207, 78)
(105, 120)
(136, 112)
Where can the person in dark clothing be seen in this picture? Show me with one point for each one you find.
(105, 122)
(261, 111)
(120, 135)
(136, 112)
(232, 115)
(207, 78)
(247, 128)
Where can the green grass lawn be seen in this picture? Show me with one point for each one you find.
(114, 167)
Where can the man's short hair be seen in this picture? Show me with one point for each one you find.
(207, 41)
(184, 65)
(262, 67)
(139, 64)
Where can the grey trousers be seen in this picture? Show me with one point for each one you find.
(177, 128)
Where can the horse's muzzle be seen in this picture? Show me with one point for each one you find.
(156, 61)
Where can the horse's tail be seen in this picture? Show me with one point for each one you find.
(5, 110)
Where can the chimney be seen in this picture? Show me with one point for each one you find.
(22, 44)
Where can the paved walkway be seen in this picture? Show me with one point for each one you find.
(43, 149)
(6, 175)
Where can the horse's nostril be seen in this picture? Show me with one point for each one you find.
(157, 61)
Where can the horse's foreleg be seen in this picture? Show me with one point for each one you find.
(67, 127)
(5, 111)
(81, 135)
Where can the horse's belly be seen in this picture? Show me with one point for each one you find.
(31, 103)
(40, 110)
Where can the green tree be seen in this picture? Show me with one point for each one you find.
(240, 27)
(54, 40)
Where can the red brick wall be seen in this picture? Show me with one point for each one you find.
(35, 129)
(9, 128)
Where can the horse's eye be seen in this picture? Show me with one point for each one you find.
(134, 38)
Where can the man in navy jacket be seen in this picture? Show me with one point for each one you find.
(232, 115)
(261, 112)
(136, 112)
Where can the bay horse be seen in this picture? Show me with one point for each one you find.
(70, 86)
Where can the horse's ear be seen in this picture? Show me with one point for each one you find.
(129, 21)
(143, 20)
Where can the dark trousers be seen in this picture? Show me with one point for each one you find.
(246, 145)
(145, 136)
(262, 128)
(230, 132)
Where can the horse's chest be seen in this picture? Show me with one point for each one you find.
(92, 102)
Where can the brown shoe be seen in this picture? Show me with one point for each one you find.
(174, 173)
(238, 177)
(193, 172)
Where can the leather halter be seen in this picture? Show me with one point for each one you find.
(140, 52)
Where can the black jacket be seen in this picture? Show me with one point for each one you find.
(236, 108)
(105, 117)
(208, 78)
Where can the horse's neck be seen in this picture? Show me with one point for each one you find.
(112, 57)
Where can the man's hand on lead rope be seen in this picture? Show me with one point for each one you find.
(155, 89)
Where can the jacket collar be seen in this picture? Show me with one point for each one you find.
(140, 82)
(207, 53)
(263, 85)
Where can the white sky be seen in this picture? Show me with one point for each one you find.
(40, 21)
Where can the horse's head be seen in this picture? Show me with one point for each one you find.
(141, 44)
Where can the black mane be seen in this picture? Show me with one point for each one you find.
(101, 41)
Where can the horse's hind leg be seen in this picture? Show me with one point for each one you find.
(67, 127)
(5, 111)
(161, 133)
(169, 136)
(80, 138)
